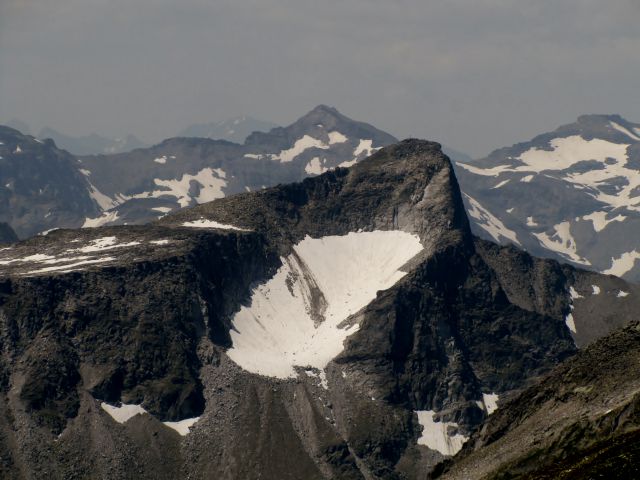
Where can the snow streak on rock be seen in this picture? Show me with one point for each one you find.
(203, 223)
(562, 242)
(125, 412)
(490, 223)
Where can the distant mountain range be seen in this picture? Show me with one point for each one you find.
(143, 184)
(572, 194)
(91, 144)
(234, 130)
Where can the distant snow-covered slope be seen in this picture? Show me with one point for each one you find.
(180, 172)
(572, 194)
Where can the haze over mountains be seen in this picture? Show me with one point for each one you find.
(347, 326)
(234, 130)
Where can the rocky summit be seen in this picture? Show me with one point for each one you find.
(348, 326)
(572, 194)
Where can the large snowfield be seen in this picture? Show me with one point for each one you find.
(294, 319)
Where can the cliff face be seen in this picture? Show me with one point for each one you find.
(581, 421)
(348, 326)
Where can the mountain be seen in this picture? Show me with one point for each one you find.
(7, 235)
(349, 326)
(40, 185)
(140, 185)
(579, 422)
(137, 186)
(234, 130)
(19, 125)
(93, 144)
(572, 194)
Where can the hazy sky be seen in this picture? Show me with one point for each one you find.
(473, 74)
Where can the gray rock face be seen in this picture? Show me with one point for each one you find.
(162, 315)
(7, 235)
(40, 186)
(572, 195)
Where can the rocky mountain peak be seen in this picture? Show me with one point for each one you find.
(319, 122)
(407, 186)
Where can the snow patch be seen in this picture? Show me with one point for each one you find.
(202, 223)
(124, 412)
(183, 427)
(106, 217)
(18, 149)
(622, 294)
(526, 178)
(299, 146)
(321, 376)
(336, 137)
(501, 184)
(348, 163)
(211, 181)
(490, 401)
(573, 293)
(600, 221)
(365, 147)
(569, 322)
(622, 264)
(531, 222)
(487, 172)
(596, 289)
(105, 243)
(161, 160)
(562, 242)
(435, 434)
(162, 209)
(568, 151)
(491, 224)
(103, 201)
(315, 167)
(621, 129)
(296, 318)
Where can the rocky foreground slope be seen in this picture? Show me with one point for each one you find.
(582, 421)
(349, 326)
